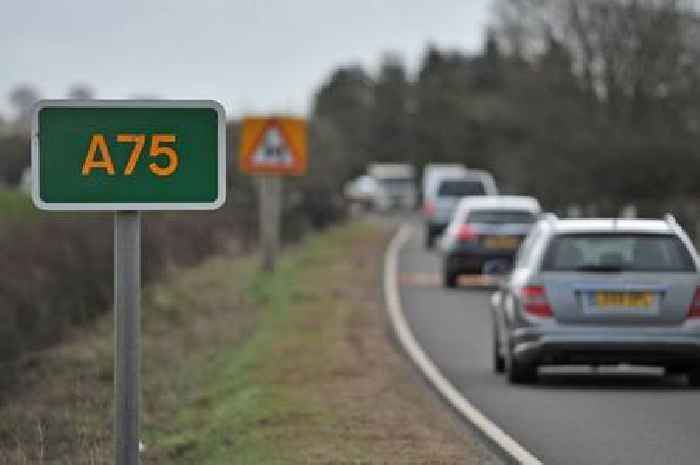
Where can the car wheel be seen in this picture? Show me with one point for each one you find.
(520, 372)
(673, 370)
(499, 362)
(429, 239)
(694, 377)
(449, 279)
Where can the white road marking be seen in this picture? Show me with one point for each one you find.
(428, 367)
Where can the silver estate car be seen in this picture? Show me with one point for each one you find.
(599, 292)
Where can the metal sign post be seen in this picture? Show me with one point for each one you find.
(270, 201)
(127, 336)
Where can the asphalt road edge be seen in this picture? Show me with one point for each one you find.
(431, 372)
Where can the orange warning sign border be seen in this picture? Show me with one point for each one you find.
(299, 158)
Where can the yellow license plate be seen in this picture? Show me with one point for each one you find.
(624, 299)
(502, 242)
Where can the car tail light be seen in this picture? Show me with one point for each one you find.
(694, 311)
(429, 209)
(467, 233)
(535, 302)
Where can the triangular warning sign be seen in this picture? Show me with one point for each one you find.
(273, 150)
(273, 146)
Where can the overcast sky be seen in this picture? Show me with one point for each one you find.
(251, 55)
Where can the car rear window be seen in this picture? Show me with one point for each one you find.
(501, 217)
(617, 252)
(461, 188)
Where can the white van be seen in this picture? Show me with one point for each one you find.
(432, 173)
(439, 208)
(398, 186)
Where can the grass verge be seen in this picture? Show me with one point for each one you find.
(243, 367)
(318, 383)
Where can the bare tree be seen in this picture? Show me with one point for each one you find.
(81, 92)
(22, 99)
(624, 52)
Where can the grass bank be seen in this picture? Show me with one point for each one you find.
(243, 367)
(318, 383)
(263, 402)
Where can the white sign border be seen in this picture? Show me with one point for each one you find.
(129, 206)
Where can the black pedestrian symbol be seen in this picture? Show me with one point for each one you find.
(273, 151)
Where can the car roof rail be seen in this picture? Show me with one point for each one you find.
(670, 219)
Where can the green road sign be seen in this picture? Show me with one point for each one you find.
(128, 155)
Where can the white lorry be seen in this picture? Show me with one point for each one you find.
(397, 183)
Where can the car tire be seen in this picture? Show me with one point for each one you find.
(449, 279)
(499, 362)
(429, 239)
(520, 372)
(673, 370)
(693, 377)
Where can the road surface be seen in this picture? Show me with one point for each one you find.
(569, 418)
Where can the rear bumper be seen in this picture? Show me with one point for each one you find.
(473, 261)
(676, 349)
(435, 228)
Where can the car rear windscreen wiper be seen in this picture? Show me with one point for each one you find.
(600, 268)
